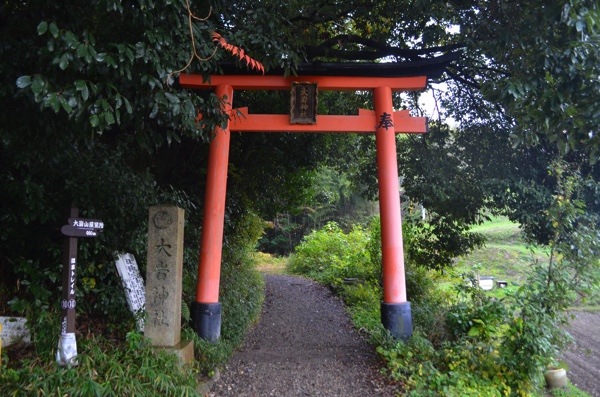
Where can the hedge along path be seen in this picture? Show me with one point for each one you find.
(303, 345)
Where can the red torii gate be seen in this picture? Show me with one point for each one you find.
(383, 121)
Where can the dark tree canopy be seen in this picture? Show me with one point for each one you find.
(536, 61)
(90, 109)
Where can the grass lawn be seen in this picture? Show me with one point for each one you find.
(506, 256)
(269, 264)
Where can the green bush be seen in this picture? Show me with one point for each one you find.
(241, 293)
(476, 314)
(131, 368)
(363, 301)
(329, 256)
(500, 347)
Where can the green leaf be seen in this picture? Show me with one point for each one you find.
(95, 120)
(70, 39)
(154, 111)
(64, 62)
(139, 50)
(23, 81)
(171, 97)
(109, 117)
(80, 85)
(37, 86)
(111, 61)
(82, 50)
(128, 106)
(72, 102)
(129, 54)
(65, 105)
(474, 331)
(53, 30)
(52, 101)
(42, 28)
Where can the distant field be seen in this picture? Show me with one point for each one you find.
(269, 264)
(506, 256)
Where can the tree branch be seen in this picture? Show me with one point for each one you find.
(461, 79)
(375, 49)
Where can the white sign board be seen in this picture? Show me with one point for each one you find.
(486, 283)
(133, 284)
(14, 330)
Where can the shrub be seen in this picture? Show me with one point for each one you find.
(132, 367)
(500, 347)
(329, 255)
(241, 293)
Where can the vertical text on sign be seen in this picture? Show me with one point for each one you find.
(303, 103)
(133, 285)
(164, 275)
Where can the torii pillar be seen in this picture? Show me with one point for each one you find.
(395, 309)
(206, 310)
(384, 122)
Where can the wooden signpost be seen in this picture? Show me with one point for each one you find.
(76, 227)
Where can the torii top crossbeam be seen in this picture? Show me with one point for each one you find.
(412, 76)
(333, 83)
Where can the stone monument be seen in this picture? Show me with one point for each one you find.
(164, 272)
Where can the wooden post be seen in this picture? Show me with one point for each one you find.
(395, 310)
(66, 354)
(206, 310)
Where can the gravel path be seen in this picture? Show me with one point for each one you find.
(304, 345)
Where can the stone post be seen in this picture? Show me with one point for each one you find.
(164, 273)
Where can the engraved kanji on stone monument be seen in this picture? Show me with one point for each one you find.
(164, 275)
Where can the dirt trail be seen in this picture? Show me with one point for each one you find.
(304, 345)
(583, 357)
